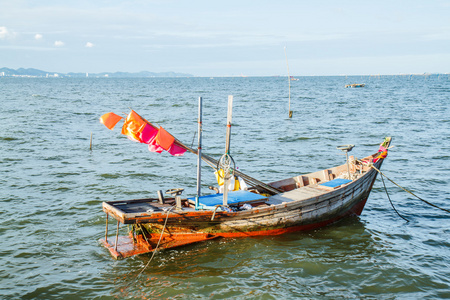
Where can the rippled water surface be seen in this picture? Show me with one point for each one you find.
(52, 186)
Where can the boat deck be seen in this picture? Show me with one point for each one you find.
(139, 206)
(302, 193)
(306, 192)
(132, 211)
(130, 207)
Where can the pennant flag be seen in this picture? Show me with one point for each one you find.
(133, 126)
(110, 120)
(164, 139)
(140, 130)
(154, 147)
(148, 134)
(176, 150)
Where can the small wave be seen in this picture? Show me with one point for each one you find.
(111, 176)
(444, 157)
(8, 139)
(296, 139)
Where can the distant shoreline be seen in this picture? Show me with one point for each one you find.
(35, 73)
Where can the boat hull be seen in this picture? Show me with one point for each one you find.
(272, 220)
(300, 207)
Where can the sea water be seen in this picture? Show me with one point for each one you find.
(53, 186)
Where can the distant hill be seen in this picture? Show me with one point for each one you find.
(21, 72)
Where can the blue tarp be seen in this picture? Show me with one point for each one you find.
(335, 182)
(235, 197)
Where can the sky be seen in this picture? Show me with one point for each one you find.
(227, 38)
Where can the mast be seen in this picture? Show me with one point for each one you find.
(226, 163)
(199, 152)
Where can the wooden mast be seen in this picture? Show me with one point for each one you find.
(226, 171)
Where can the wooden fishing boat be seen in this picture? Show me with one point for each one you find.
(354, 85)
(303, 202)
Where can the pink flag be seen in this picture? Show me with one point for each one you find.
(154, 147)
(176, 150)
(148, 134)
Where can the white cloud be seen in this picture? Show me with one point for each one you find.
(89, 45)
(5, 33)
(59, 43)
(38, 36)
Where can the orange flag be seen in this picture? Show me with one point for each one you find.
(110, 120)
(133, 126)
(164, 139)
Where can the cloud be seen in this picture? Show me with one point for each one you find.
(38, 36)
(5, 33)
(89, 45)
(59, 44)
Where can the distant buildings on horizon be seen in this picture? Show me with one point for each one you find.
(35, 73)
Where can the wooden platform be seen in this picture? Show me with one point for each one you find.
(129, 211)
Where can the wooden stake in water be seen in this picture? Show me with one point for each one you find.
(90, 147)
(289, 79)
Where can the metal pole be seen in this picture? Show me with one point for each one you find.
(199, 151)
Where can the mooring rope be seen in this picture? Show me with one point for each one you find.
(392, 204)
(154, 251)
(425, 201)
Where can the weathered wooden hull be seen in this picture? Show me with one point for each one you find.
(301, 207)
(311, 213)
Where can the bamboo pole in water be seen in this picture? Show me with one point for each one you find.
(289, 80)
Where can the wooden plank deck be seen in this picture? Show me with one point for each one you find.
(302, 193)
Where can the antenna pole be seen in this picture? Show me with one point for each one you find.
(199, 151)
